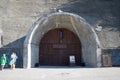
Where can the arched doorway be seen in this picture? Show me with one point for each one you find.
(91, 51)
(57, 46)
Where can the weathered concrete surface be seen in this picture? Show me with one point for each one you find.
(65, 73)
(17, 16)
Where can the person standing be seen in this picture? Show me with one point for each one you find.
(3, 61)
(13, 60)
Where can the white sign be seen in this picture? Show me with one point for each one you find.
(72, 59)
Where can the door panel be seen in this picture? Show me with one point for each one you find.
(57, 45)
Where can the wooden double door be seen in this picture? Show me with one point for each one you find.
(56, 47)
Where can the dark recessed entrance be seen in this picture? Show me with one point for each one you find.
(57, 46)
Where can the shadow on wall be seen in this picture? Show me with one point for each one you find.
(103, 13)
(15, 46)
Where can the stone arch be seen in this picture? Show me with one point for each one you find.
(89, 40)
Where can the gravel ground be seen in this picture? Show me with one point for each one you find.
(63, 73)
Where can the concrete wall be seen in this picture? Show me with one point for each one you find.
(17, 16)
